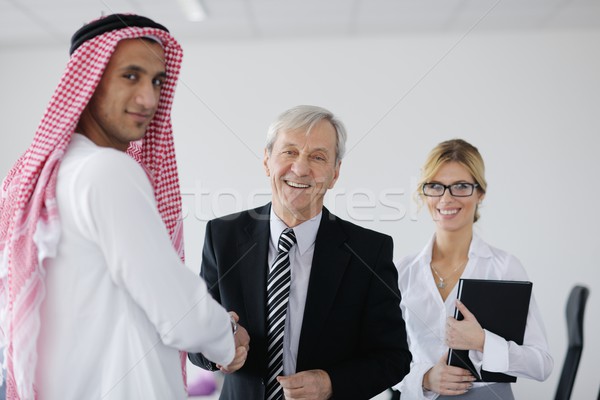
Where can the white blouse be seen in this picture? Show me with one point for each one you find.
(119, 302)
(425, 314)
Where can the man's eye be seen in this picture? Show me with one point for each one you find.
(158, 82)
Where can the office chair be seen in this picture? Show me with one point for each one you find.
(574, 312)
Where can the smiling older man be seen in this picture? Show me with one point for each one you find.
(318, 295)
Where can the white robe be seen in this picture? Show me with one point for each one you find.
(119, 303)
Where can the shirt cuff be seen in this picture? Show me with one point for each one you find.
(495, 353)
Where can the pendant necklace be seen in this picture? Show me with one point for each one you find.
(442, 284)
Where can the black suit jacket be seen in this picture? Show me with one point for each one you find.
(352, 326)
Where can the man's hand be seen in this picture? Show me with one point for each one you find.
(466, 334)
(306, 385)
(242, 346)
(447, 380)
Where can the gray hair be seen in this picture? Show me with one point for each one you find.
(303, 116)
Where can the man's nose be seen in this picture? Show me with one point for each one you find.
(300, 166)
(147, 95)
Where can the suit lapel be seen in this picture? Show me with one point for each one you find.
(253, 260)
(329, 263)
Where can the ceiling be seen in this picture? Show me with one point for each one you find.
(52, 22)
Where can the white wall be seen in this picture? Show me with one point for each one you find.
(529, 101)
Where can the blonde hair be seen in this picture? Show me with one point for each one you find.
(461, 152)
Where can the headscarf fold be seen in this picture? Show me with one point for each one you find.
(29, 220)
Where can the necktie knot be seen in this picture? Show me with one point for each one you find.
(287, 240)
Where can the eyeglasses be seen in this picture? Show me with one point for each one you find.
(461, 189)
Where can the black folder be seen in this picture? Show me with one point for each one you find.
(500, 307)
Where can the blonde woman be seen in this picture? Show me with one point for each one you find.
(452, 187)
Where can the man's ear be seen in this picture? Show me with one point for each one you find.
(266, 163)
(336, 174)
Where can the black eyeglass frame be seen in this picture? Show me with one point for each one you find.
(473, 186)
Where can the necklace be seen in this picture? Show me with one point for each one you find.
(442, 284)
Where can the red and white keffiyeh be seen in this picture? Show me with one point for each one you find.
(29, 220)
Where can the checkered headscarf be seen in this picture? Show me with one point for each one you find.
(29, 220)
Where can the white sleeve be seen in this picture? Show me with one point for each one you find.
(118, 211)
(532, 359)
(411, 387)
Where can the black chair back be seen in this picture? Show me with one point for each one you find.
(574, 311)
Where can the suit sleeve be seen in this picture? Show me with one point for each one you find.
(209, 272)
(383, 357)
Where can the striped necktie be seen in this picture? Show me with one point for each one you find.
(278, 289)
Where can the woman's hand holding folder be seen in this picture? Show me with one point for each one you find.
(465, 334)
(446, 379)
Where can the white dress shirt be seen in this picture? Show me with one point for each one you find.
(425, 314)
(301, 256)
(119, 303)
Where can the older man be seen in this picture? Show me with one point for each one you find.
(318, 294)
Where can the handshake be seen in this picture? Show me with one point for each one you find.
(242, 346)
